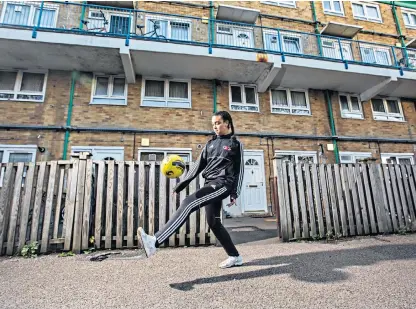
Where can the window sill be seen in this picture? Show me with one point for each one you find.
(21, 100)
(389, 120)
(244, 111)
(109, 103)
(286, 114)
(410, 27)
(335, 14)
(368, 20)
(352, 117)
(156, 106)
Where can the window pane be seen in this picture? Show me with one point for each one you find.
(184, 156)
(178, 90)
(118, 86)
(372, 12)
(47, 20)
(17, 14)
(327, 5)
(393, 106)
(305, 159)
(32, 82)
(406, 19)
(179, 31)
(405, 161)
(20, 157)
(355, 105)
(157, 28)
(337, 6)
(7, 80)
(291, 45)
(413, 16)
(250, 95)
(382, 57)
(358, 9)
(344, 103)
(279, 98)
(1, 156)
(152, 156)
(236, 94)
(102, 86)
(155, 88)
(298, 99)
(378, 105)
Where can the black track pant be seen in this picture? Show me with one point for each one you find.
(210, 196)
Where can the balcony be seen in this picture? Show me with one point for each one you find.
(90, 37)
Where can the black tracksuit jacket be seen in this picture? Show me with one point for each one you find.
(222, 163)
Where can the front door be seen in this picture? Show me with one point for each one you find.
(254, 185)
(243, 37)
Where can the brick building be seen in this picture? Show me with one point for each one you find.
(324, 82)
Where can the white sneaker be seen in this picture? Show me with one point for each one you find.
(231, 261)
(148, 242)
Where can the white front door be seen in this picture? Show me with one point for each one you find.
(253, 193)
(243, 37)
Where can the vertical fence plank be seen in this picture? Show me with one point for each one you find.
(26, 205)
(38, 201)
(130, 204)
(311, 207)
(403, 201)
(140, 195)
(342, 211)
(192, 218)
(152, 198)
(347, 195)
(287, 199)
(61, 173)
(411, 178)
(406, 178)
(292, 185)
(375, 188)
(14, 208)
(332, 194)
(398, 206)
(48, 208)
(172, 209)
(283, 200)
(301, 193)
(109, 206)
(361, 197)
(182, 230)
(79, 206)
(163, 194)
(202, 217)
(70, 205)
(325, 198)
(368, 196)
(355, 203)
(120, 204)
(87, 206)
(384, 207)
(4, 203)
(390, 197)
(99, 203)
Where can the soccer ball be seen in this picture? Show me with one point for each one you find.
(172, 166)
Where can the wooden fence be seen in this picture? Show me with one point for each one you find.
(339, 200)
(62, 204)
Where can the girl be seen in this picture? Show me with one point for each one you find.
(221, 162)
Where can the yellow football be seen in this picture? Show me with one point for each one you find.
(172, 166)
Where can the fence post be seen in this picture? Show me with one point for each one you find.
(34, 33)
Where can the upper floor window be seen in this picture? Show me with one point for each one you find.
(244, 98)
(286, 101)
(109, 89)
(333, 7)
(387, 109)
(409, 18)
(289, 4)
(174, 29)
(22, 86)
(291, 42)
(27, 14)
(366, 11)
(350, 106)
(166, 93)
(375, 54)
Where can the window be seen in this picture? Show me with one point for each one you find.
(387, 109)
(409, 18)
(353, 157)
(333, 7)
(375, 54)
(157, 154)
(170, 29)
(27, 14)
(16, 153)
(109, 89)
(101, 153)
(22, 86)
(397, 158)
(285, 101)
(292, 43)
(366, 11)
(234, 36)
(244, 98)
(350, 106)
(297, 156)
(289, 4)
(411, 54)
(332, 49)
(166, 93)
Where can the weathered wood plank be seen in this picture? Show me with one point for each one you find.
(15, 209)
(398, 206)
(325, 199)
(120, 204)
(192, 218)
(109, 205)
(390, 197)
(384, 207)
(141, 196)
(369, 200)
(355, 203)
(346, 190)
(79, 207)
(287, 201)
(38, 201)
(411, 174)
(182, 230)
(406, 215)
(99, 203)
(48, 207)
(70, 205)
(172, 209)
(375, 188)
(203, 218)
(163, 194)
(152, 194)
(282, 201)
(130, 204)
(26, 205)
(61, 173)
(311, 206)
(293, 193)
(361, 197)
(87, 206)
(342, 212)
(302, 204)
(405, 177)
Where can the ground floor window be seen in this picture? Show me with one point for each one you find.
(397, 158)
(297, 156)
(353, 157)
(101, 152)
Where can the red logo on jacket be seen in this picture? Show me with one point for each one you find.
(227, 148)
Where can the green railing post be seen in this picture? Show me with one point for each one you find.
(332, 125)
(34, 32)
(68, 118)
(342, 54)
(128, 31)
(211, 27)
(81, 24)
(281, 45)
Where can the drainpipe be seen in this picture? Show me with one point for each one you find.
(81, 25)
(315, 20)
(214, 95)
(332, 125)
(68, 118)
(399, 31)
(211, 26)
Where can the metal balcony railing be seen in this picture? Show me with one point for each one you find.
(93, 19)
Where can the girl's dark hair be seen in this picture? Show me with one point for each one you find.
(226, 117)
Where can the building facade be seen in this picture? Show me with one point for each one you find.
(320, 82)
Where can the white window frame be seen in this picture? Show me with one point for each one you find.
(286, 4)
(411, 54)
(170, 20)
(376, 48)
(366, 18)
(386, 116)
(9, 149)
(18, 83)
(110, 99)
(108, 14)
(166, 99)
(351, 113)
(385, 156)
(97, 149)
(32, 13)
(165, 151)
(332, 11)
(284, 35)
(289, 100)
(409, 14)
(354, 156)
(297, 153)
(243, 98)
